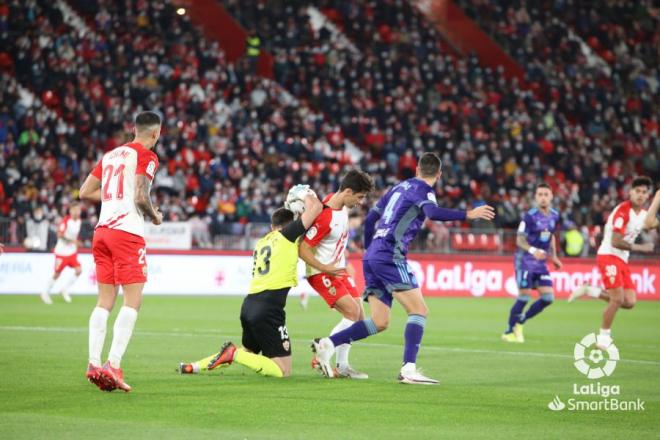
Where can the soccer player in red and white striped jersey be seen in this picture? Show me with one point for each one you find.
(623, 227)
(66, 253)
(121, 181)
(324, 249)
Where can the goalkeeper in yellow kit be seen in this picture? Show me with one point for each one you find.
(266, 345)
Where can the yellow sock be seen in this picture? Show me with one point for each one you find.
(202, 364)
(258, 363)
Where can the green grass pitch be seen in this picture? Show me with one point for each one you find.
(488, 389)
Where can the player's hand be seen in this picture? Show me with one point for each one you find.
(647, 248)
(334, 270)
(540, 255)
(483, 212)
(308, 195)
(2, 248)
(158, 219)
(656, 198)
(556, 263)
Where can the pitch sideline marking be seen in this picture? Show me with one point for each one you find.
(367, 344)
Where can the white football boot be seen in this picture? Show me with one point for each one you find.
(411, 375)
(323, 350)
(348, 372)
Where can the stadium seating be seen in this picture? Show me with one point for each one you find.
(379, 77)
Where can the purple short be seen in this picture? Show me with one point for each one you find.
(533, 280)
(382, 277)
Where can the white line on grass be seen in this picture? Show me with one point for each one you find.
(366, 344)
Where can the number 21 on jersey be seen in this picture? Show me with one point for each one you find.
(112, 174)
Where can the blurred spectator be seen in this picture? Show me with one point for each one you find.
(574, 240)
(253, 50)
(234, 143)
(37, 231)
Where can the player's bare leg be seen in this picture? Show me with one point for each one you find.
(629, 299)
(97, 329)
(65, 290)
(415, 306)
(351, 310)
(617, 299)
(380, 313)
(45, 295)
(284, 363)
(122, 332)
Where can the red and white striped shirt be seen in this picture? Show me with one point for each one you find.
(117, 171)
(67, 244)
(328, 237)
(625, 221)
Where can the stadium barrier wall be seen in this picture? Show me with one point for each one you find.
(229, 273)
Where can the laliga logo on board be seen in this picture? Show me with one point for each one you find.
(593, 369)
(463, 277)
(596, 357)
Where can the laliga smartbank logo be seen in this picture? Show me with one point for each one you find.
(596, 357)
(590, 358)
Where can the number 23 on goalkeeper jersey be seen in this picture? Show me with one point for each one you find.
(275, 263)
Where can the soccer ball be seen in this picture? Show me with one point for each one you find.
(295, 199)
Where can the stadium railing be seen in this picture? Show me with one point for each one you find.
(432, 240)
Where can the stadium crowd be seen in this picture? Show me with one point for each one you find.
(233, 143)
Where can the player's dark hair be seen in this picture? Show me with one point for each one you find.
(542, 185)
(429, 165)
(358, 181)
(146, 120)
(281, 217)
(642, 181)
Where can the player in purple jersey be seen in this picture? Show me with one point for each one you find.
(389, 228)
(536, 242)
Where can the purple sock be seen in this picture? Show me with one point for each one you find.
(516, 311)
(413, 337)
(536, 308)
(359, 330)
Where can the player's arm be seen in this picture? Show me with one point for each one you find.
(297, 228)
(438, 214)
(306, 253)
(143, 199)
(619, 243)
(651, 219)
(61, 229)
(553, 252)
(370, 226)
(305, 250)
(522, 243)
(61, 233)
(91, 189)
(313, 208)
